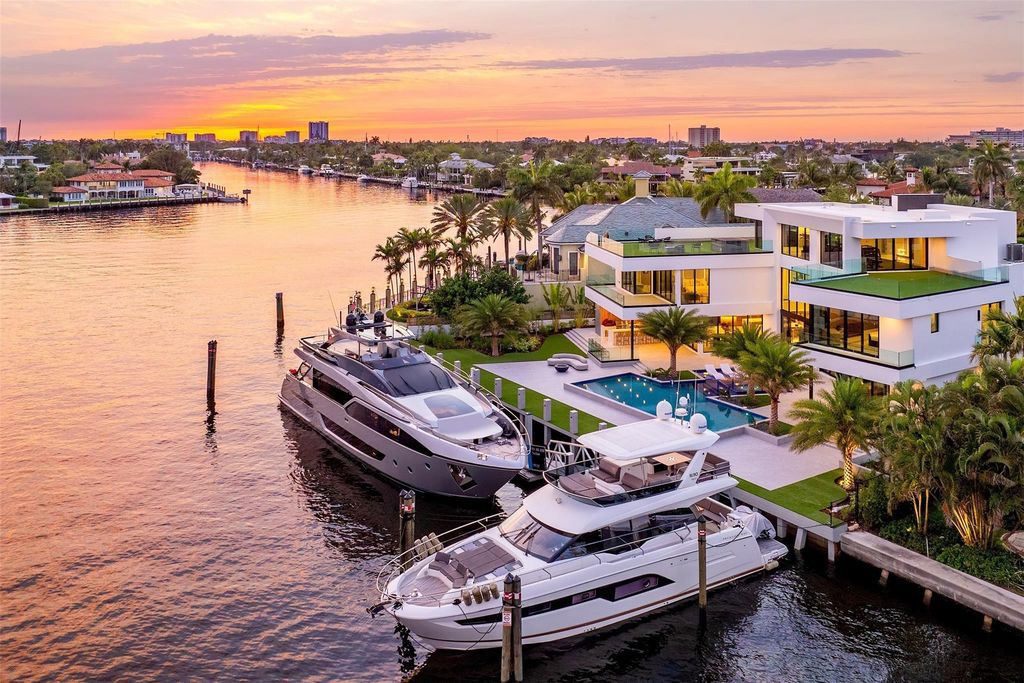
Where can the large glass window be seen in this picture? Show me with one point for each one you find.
(696, 286)
(722, 325)
(895, 254)
(796, 241)
(530, 536)
(637, 283)
(986, 309)
(795, 314)
(663, 285)
(832, 249)
(408, 380)
(849, 330)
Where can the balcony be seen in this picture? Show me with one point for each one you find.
(671, 247)
(892, 359)
(851, 278)
(622, 297)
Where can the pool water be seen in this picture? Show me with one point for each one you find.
(645, 393)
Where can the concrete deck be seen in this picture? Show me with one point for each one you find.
(992, 601)
(770, 466)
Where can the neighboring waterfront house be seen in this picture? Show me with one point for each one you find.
(106, 185)
(708, 165)
(158, 187)
(459, 171)
(153, 173)
(7, 202)
(15, 160)
(865, 186)
(397, 160)
(888, 293)
(629, 169)
(906, 186)
(107, 167)
(69, 194)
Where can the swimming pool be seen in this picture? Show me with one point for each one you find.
(645, 393)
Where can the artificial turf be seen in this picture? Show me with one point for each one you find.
(904, 284)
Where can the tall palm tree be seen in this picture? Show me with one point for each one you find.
(505, 218)
(845, 416)
(724, 190)
(673, 187)
(624, 189)
(492, 316)
(742, 339)
(809, 173)
(990, 166)
(557, 298)
(674, 327)
(392, 254)
(409, 241)
(536, 185)
(1002, 333)
(459, 212)
(577, 197)
(434, 261)
(892, 171)
(776, 366)
(459, 252)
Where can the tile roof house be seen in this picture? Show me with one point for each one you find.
(107, 168)
(70, 194)
(152, 173)
(158, 187)
(109, 185)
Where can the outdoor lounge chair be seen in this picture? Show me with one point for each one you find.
(575, 361)
(729, 371)
(712, 372)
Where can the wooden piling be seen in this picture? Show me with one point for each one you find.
(211, 373)
(511, 630)
(702, 570)
(883, 578)
(280, 310)
(927, 597)
(407, 526)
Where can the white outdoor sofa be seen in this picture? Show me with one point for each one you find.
(574, 361)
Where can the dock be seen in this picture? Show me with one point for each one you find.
(992, 602)
(74, 207)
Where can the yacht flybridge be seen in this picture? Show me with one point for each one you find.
(397, 410)
(611, 536)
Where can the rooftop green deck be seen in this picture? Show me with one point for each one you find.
(905, 284)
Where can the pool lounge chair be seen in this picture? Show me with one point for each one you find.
(712, 372)
(729, 371)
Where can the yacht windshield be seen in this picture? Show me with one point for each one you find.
(532, 537)
(408, 380)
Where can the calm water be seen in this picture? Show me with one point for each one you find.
(142, 540)
(646, 393)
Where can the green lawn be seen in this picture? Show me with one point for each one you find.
(556, 343)
(899, 285)
(806, 497)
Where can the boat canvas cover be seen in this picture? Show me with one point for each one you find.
(645, 439)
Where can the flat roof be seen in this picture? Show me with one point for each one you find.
(874, 213)
(904, 284)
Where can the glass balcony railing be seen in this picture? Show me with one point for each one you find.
(894, 359)
(672, 247)
(607, 353)
(905, 284)
(623, 297)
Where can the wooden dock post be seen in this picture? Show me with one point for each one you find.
(388, 303)
(927, 597)
(511, 630)
(407, 526)
(373, 299)
(702, 570)
(883, 578)
(211, 373)
(280, 310)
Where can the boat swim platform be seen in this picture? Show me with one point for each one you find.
(991, 601)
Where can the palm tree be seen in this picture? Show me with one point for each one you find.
(1002, 333)
(492, 316)
(459, 252)
(909, 438)
(673, 187)
(556, 297)
(776, 366)
(845, 416)
(624, 189)
(459, 212)
(536, 185)
(724, 190)
(990, 166)
(674, 327)
(392, 254)
(507, 217)
(434, 261)
(892, 171)
(769, 176)
(736, 342)
(959, 199)
(809, 173)
(410, 241)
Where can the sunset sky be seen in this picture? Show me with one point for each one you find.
(447, 70)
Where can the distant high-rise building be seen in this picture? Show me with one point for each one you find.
(206, 137)
(700, 137)
(3, 133)
(248, 136)
(318, 131)
(175, 137)
(1000, 136)
(291, 136)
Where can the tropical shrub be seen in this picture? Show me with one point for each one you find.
(997, 566)
(493, 316)
(438, 339)
(874, 502)
(521, 343)
(462, 288)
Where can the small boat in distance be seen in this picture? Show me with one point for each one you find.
(305, 170)
(611, 536)
(326, 170)
(394, 408)
(410, 182)
(362, 177)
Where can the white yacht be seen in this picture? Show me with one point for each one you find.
(326, 170)
(363, 178)
(397, 410)
(611, 536)
(410, 182)
(305, 170)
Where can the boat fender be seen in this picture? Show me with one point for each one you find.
(774, 564)
(467, 597)
(434, 543)
(478, 594)
(494, 591)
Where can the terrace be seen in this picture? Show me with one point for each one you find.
(651, 246)
(907, 284)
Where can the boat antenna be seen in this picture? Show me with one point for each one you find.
(334, 311)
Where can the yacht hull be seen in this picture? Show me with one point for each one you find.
(677, 581)
(427, 470)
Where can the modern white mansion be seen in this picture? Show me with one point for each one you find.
(884, 293)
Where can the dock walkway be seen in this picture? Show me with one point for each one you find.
(991, 601)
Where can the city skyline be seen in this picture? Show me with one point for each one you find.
(495, 72)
